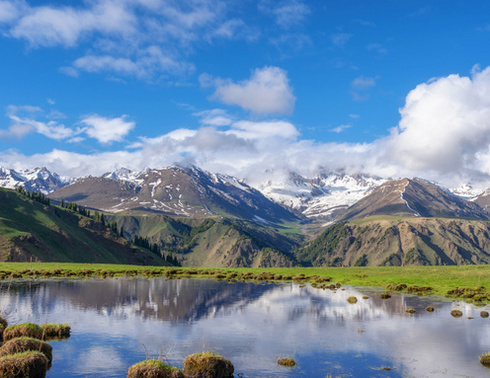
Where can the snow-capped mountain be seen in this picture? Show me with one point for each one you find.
(37, 179)
(182, 191)
(324, 195)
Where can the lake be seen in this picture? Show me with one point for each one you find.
(117, 322)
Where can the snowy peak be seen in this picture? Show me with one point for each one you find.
(181, 191)
(413, 198)
(322, 196)
(37, 179)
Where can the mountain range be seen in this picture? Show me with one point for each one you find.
(210, 219)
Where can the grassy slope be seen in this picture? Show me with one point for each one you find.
(29, 229)
(212, 241)
(394, 241)
(440, 278)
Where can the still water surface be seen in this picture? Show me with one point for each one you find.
(116, 322)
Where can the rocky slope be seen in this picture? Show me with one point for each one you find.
(413, 198)
(385, 241)
(181, 191)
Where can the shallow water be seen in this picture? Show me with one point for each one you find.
(117, 322)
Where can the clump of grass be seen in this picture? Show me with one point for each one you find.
(23, 330)
(3, 323)
(456, 313)
(153, 369)
(352, 299)
(207, 365)
(396, 287)
(476, 294)
(385, 295)
(411, 310)
(56, 331)
(429, 309)
(24, 344)
(365, 297)
(484, 314)
(289, 362)
(31, 364)
(419, 290)
(485, 359)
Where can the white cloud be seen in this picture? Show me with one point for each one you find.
(260, 130)
(107, 130)
(23, 122)
(266, 92)
(214, 117)
(445, 125)
(443, 135)
(148, 62)
(9, 11)
(340, 128)
(363, 82)
(50, 26)
(142, 38)
(287, 13)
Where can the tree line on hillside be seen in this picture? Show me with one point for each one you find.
(99, 217)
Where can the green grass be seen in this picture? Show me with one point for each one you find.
(440, 278)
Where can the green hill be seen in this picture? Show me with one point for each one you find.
(392, 241)
(30, 230)
(212, 242)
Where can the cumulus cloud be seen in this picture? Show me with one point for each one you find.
(266, 92)
(443, 135)
(107, 130)
(445, 126)
(31, 119)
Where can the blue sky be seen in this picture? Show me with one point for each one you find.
(382, 87)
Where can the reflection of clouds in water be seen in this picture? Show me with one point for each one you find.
(254, 324)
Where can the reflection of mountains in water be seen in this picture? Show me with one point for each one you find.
(187, 300)
(158, 298)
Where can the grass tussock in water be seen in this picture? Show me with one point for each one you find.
(452, 281)
(429, 309)
(53, 331)
(485, 359)
(207, 365)
(24, 344)
(484, 314)
(288, 362)
(352, 299)
(31, 364)
(23, 330)
(456, 313)
(153, 369)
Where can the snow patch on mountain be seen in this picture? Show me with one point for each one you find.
(323, 196)
(37, 179)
